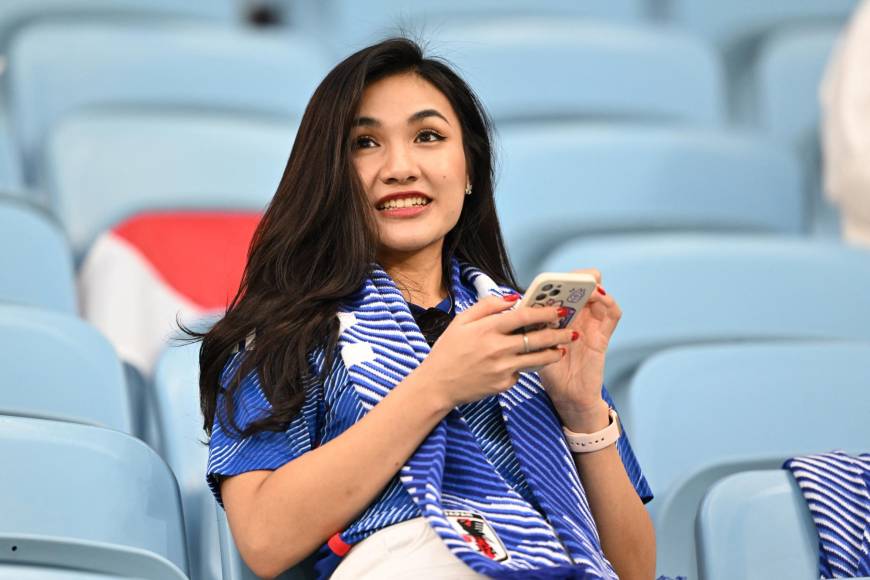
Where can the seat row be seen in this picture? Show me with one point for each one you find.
(605, 73)
(695, 414)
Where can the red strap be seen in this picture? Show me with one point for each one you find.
(338, 546)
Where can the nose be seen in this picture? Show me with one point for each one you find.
(399, 166)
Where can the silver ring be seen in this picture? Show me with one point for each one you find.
(525, 344)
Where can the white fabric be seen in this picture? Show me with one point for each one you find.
(410, 549)
(127, 300)
(845, 96)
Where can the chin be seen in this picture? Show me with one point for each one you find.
(409, 244)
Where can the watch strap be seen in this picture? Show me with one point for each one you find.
(589, 442)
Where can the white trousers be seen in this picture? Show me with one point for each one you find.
(409, 549)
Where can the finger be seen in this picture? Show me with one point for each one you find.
(487, 306)
(591, 271)
(541, 339)
(521, 317)
(541, 358)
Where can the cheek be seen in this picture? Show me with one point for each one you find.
(366, 170)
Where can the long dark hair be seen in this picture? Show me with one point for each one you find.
(317, 241)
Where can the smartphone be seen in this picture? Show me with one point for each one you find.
(560, 290)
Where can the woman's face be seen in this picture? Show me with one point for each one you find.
(407, 150)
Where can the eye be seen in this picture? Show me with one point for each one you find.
(429, 136)
(363, 142)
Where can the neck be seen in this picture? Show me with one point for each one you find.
(417, 274)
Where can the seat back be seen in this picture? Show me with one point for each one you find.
(788, 78)
(562, 182)
(16, 14)
(176, 383)
(181, 162)
(756, 525)
(563, 68)
(10, 165)
(87, 499)
(35, 258)
(57, 366)
(58, 68)
(176, 390)
(682, 289)
(734, 25)
(349, 25)
(704, 411)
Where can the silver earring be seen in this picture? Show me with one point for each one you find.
(468, 189)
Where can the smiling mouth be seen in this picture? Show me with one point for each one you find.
(400, 203)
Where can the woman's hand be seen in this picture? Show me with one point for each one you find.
(574, 383)
(477, 355)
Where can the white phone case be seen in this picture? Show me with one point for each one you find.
(562, 290)
(559, 289)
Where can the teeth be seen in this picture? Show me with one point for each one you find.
(403, 202)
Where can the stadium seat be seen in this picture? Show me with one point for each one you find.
(735, 27)
(176, 381)
(698, 413)
(563, 181)
(58, 367)
(35, 258)
(86, 500)
(677, 289)
(10, 167)
(784, 102)
(756, 525)
(57, 68)
(104, 167)
(176, 388)
(788, 75)
(534, 68)
(16, 14)
(175, 200)
(349, 25)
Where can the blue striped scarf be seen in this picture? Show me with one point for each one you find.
(836, 487)
(380, 345)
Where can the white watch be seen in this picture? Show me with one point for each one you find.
(588, 442)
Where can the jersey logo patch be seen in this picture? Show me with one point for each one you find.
(476, 531)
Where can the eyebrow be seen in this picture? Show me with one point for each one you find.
(418, 116)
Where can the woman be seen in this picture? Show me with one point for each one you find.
(364, 393)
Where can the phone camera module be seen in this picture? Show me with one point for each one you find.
(540, 297)
(555, 292)
(546, 287)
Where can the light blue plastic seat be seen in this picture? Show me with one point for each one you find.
(88, 500)
(57, 366)
(350, 25)
(562, 181)
(10, 166)
(788, 75)
(177, 391)
(102, 167)
(784, 102)
(58, 68)
(16, 14)
(735, 27)
(697, 414)
(570, 68)
(35, 258)
(678, 289)
(756, 525)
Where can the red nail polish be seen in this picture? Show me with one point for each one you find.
(574, 335)
(601, 291)
(511, 297)
(563, 312)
